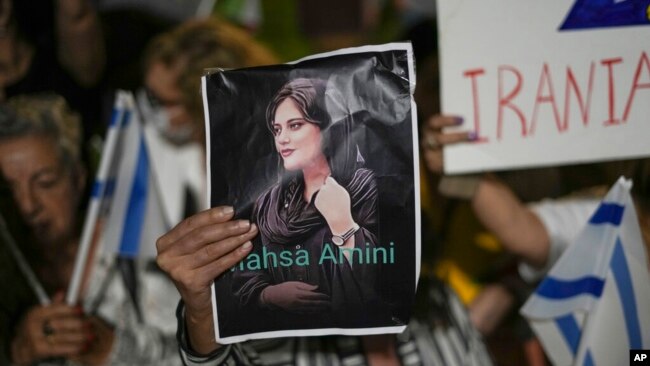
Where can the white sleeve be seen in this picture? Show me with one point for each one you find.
(153, 341)
(563, 219)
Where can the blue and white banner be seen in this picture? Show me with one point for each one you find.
(130, 199)
(593, 306)
(124, 214)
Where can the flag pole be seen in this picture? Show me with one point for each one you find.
(24, 267)
(98, 190)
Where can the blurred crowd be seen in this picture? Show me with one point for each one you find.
(487, 238)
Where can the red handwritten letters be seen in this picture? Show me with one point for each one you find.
(579, 94)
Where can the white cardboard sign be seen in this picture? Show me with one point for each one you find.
(546, 82)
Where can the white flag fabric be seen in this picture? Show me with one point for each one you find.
(130, 199)
(124, 209)
(594, 304)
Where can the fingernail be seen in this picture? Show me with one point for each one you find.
(459, 120)
(244, 224)
(472, 136)
(246, 246)
(228, 210)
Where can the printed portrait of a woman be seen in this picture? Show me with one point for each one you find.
(318, 223)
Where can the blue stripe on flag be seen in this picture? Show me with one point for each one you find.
(626, 294)
(554, 288)
(110, 187)
(589, 360)
(608, 213)
(114, 117)
(134, 219)
(570, 330)
(96, 190)
(127, 118)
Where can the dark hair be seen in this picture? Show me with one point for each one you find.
(45, 115)
(310, 96)
(14, 126)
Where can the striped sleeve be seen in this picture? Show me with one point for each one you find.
(228, 355)
(446, 338)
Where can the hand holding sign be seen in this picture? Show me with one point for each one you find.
(197, 251)
(333, 202)
(434, 139)
(55, 330)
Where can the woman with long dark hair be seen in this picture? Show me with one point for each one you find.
(317, 223)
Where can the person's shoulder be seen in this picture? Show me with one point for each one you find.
(578, 204)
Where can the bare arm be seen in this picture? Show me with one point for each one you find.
(81, 48)
(517, 227)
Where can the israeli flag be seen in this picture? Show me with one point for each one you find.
(594, 304)
(124, 215)
(130, 196)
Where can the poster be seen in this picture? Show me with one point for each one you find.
(321, 154)
(545, 82)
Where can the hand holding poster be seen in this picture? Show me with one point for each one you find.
(321, 156)
(545, 82)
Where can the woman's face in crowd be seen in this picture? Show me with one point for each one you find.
(297, 141)
(162, 83)
(44, 190)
